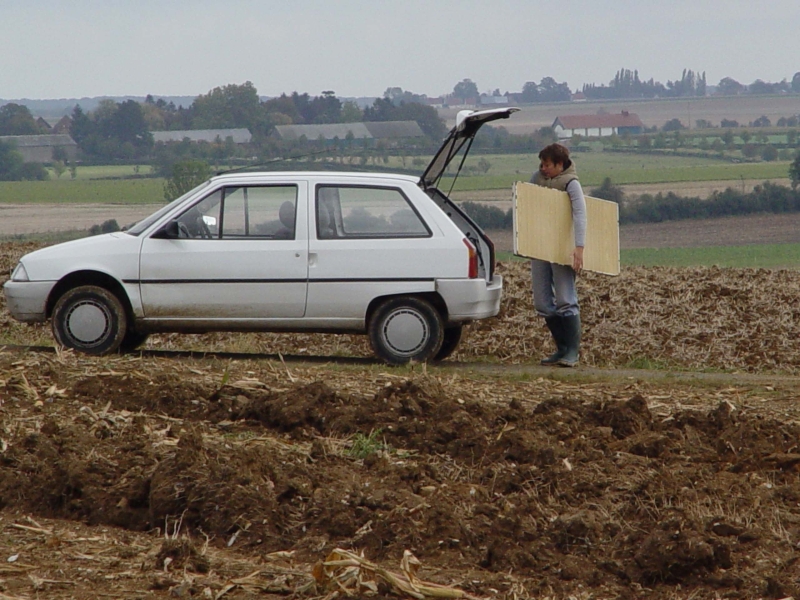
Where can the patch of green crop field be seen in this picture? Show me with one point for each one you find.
(83, 191)
(105, 172)
(623, 169)
(766, 256)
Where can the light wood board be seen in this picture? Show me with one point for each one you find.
(543, 228)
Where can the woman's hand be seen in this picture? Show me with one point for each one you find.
(577, 259)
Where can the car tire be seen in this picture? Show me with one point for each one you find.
(132, 340)
(450, 341)
(90, 319)
(405, 329)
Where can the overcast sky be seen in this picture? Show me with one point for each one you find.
(82, 48)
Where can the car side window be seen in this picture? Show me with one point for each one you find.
(262, 212)
(201, 221)
(366, 212)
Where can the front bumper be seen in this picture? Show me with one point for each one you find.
(27, 300)
(471, 299)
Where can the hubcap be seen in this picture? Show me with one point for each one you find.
(87, 322)
(405, 332)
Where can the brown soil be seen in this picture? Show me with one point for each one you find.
(163, 475)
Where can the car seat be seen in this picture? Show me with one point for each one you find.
(286, 214)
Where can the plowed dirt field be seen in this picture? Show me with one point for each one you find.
(298, 467)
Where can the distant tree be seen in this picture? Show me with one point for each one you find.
(746, 136)
(11, 162)
(530, 92)
(760, 87)
(399, 96)
(552, 91)
(608, 191)
(644, 142)
(762, 121)
(794, 171)
(326, 108)
(703, 124)
(484, 165)
(729, 87)
(796, 82)
(464, 89)
(127, 124)
(690, 84)
(351, 113)
(16, 119)
(673, 125)
(227, 107)
(769, 153)
(728, 123)
(59, 168)
(750, 150)
(728, 138)
(81, 127)
(284, 106)
(185, 175)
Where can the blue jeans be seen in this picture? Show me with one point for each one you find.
(554, 291)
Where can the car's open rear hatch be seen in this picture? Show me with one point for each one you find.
(467, 125)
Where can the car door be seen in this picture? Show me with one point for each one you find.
(242, 255)
(369, 240)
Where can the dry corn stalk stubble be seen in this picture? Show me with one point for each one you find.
(531, 488)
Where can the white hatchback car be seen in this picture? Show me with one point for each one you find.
(382, 254)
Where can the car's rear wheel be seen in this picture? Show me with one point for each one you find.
(450, 341)
(90, 319)
(405, 329)
(132, 340)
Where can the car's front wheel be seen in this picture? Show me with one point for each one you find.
(405, 329)
(90, 319)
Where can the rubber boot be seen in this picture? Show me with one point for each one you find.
(555, 325)
(572, 340)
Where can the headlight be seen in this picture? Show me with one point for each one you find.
(19, 273)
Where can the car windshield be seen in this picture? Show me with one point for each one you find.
(142, 225)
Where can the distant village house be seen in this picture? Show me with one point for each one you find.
(370, 130)
(39, 148)
(239, 136)
(602, 125)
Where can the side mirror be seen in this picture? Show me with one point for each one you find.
(170, 231)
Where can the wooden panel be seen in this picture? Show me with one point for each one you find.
(543, 228)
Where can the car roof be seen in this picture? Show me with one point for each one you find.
(246, 176)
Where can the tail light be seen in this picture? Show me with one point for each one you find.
(473, 259)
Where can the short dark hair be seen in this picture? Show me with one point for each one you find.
(556, 154)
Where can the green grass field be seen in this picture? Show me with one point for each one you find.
(83, 191)
(623, 169)
(766, 256)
